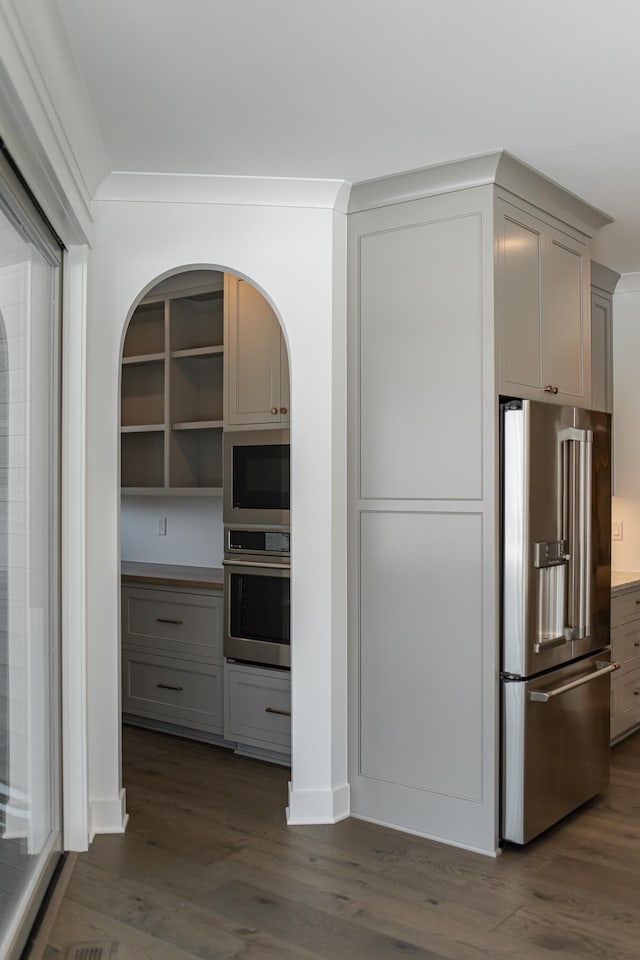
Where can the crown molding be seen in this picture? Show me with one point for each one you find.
(628, 283)
(38, 82)
(212, 189)
(499, 168)
(603, 277)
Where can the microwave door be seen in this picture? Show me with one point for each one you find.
(257, 477)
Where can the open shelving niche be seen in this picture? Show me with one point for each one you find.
(172, 395)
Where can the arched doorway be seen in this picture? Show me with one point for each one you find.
(203, 358)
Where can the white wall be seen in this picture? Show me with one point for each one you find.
(295, 256)
(194, 530)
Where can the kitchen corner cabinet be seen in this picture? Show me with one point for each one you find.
(172, 394)
(258, 711)
(458, 290)
(625, 650)
(172, 668)
(256, 373)
(543, 309)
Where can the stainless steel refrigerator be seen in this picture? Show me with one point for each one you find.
(556, 582)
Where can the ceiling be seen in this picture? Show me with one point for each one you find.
(354, 89)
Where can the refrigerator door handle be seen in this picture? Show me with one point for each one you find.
(549, 644)
(543, 697)
(576, 526)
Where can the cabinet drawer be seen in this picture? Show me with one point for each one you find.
(258, 707)
(625, 645)
(187, 693)
(625, 608)
(167, 622)
(625, 692)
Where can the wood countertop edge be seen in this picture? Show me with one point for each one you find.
(172, 575)
(171, 581)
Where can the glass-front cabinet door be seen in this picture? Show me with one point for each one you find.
(30, 762)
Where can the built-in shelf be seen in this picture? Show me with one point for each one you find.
(198, 425)
(172, 395)
(198, 352)
(143, 428)
(143, 358)
(172, 491)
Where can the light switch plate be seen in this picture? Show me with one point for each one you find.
(616, 530)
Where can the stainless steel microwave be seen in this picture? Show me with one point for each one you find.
(257, 474)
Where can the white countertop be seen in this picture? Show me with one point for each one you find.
(623, 580)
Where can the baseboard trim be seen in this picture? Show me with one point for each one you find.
(318, 806)
(109, 816)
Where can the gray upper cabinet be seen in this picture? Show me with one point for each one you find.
(542, 308)
(603, 284)
(257, 368)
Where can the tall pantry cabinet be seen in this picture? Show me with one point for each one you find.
(465, 281)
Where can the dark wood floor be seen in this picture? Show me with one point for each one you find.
(209, 869)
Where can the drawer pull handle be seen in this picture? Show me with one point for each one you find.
(636, 693)
(169, 686)
(637, 603)
(165, 620)
(281, 713)
(636, 643)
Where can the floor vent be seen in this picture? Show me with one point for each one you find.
(104, 950)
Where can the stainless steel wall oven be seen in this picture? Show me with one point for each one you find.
(257, 596)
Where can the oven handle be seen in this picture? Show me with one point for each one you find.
(540, 697)
(256, 563)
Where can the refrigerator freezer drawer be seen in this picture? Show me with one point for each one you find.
(555, 745)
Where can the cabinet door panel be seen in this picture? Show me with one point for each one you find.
(173, 623)
(421, 298)
(625, 645)
(625, 607)
(181, 692)
(601, 354)
(421, 651)
(285, 393)
(254, 357)
(520, 275)
(258, 707)
(628, 701)
(563, 334)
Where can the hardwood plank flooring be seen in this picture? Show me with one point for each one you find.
(208, 869)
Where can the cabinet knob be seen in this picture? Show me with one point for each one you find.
(550, 389)
(274, 410)
(283, 409)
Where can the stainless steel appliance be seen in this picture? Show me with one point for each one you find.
(257, 596)
(556, 573)
(256, 477)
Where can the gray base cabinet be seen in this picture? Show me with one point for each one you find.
(625, 650)
(174, 677)
(257, 713)
(172, 668)
(182, 692)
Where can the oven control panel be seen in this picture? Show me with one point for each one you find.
(273, 542)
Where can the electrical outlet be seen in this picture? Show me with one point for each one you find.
(616, 530)
(162, 526)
